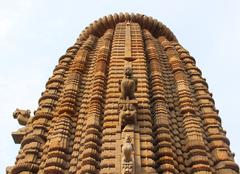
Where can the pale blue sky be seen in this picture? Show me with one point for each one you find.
(34, 34)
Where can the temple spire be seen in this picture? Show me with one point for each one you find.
(126, 98)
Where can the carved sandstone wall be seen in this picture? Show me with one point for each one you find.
(77, 127)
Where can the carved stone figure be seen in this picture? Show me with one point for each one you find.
(128, 113)
(127, 168)
(128, 85)
(127, 161)
(127, 149)
(22, 116)
(174, 127)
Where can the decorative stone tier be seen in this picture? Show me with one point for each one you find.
(87, 124)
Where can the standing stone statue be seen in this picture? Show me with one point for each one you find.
(127, 160)
(128, 85)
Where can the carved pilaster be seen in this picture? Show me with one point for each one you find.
(195, 146)
(110, 129)
(36, 135)
(164, 151)
(175, 121)
(84, 94)
(142, 94)
(60, 142)
(223, 161)
(91, 153)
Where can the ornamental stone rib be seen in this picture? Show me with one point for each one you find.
(126, 98)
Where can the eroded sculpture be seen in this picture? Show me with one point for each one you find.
(128, 113)
(127, 160)
(22, 116)
(128, 85)
(77, 126)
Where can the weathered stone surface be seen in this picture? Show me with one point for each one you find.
(126, 76)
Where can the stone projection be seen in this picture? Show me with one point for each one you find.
(126, 98)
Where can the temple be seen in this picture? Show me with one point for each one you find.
(126, 98)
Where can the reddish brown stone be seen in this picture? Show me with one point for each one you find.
(83, 118)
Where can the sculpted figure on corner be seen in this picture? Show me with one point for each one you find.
(22, 116)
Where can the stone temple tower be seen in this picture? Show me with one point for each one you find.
(126, 98)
